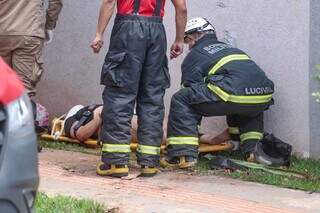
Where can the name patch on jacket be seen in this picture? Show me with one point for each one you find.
(214, 48)
(258, 91)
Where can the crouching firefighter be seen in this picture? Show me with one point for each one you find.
(135, 71)
(217, 79)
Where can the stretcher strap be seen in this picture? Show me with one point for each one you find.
(56, 134)
(183, 141)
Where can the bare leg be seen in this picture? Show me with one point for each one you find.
(134, 127)
(88, 130)
(214, 140)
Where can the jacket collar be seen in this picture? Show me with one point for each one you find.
(206, 37)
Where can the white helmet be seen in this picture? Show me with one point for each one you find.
(198, 24)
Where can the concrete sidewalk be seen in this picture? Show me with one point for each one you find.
(73, 174)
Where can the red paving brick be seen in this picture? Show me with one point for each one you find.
(180, 194)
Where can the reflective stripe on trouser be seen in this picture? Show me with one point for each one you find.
(181, 140)
(250, 127)
(241, 99)
(188, 106)
(182, 126)
(148, 150)
(182, 146)
(234, 133)
(251, 136)
(116, 148)
(135, 71)
(234, 130)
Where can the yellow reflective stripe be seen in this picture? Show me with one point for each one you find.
(227, 59)
(234, 130)
(183, 141)
(149, 150)
(254, 99)
(251, 135)
(121, 148)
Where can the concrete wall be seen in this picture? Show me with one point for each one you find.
(314, 85)
(275, 33)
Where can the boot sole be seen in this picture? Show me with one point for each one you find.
(187, 165)
(118, 175)
(148, 174)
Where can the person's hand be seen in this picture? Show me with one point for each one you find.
(96, 44)
(176, 49)
(49, 36)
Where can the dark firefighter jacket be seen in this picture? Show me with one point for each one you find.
(228, 71)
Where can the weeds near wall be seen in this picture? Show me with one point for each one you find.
(317, 77)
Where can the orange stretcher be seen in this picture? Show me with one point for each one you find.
(57, 135)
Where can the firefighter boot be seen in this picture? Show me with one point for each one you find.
(112, 170)
(148, 171)
(181, 162)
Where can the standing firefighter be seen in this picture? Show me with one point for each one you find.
(217, 80)
(23, 29)
(135, 71)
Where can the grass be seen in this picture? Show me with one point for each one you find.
(46, 204)
(68, 147)
(307, 166)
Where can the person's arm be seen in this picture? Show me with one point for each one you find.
(87, 131)
(52, 15)
(181, 20)
(215, 140)
(106, 11)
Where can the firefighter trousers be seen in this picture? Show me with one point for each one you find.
(190, 104)
(135, 72)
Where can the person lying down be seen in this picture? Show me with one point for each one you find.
(84, 122)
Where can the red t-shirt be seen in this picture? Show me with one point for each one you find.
(147, 7)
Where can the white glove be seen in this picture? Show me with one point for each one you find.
(49, 36)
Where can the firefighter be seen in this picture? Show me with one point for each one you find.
(217, 79)
(23, 29)
(135, 71)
